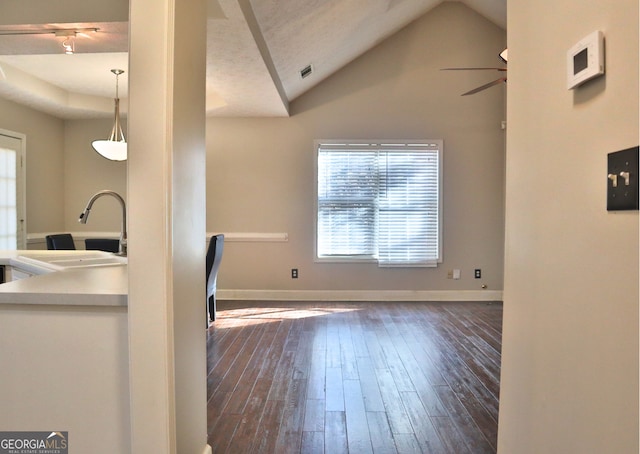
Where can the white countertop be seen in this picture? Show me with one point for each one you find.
(76, 286)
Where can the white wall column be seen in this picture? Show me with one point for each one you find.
(166, 193)
(570, 320)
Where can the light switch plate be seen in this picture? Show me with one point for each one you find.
(620, 195)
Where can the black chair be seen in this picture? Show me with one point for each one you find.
(102, 244)
(62, 241)
(214, 257)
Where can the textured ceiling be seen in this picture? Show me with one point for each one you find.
(255, 51)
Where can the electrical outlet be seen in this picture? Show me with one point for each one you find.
(294, 273)
(456, 274)
(450, 274)
(478, 273)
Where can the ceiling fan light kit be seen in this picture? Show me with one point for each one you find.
(503, 55)
(115, 147)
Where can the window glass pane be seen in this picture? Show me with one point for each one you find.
(346, 229)
(347, 191)
(408, 222)
(379, 201)
(8, 207)
(347, 175)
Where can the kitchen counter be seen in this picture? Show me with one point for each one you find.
(66, 278)
(64, 348)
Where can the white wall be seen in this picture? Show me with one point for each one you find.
(260, 170)
(570, 340)
(45, 163)
(63, 171)
(86, 172)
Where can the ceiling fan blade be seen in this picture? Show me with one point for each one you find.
(485, 86)
(472, 69)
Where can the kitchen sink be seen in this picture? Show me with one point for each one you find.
(60, 260)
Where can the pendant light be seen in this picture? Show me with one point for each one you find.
(115, 147)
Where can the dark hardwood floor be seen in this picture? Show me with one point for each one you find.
(354, 377)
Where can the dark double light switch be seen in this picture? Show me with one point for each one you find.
(622, 180)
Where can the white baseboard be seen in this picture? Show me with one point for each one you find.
(361, 295)
(207, 450)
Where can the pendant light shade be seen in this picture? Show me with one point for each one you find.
(115, 147)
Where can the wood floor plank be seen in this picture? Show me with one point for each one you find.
(290, 430)
(407, 444)
(215, 406)
(224, 364)
(475, 438)
(355, 320)
(266, 434)
(242, 358)
(420, 383)
(358, 436)
(424, 430)
(304, 353)
(316, 385)
(334, 389)
(457, 372)
(294, 377)
(451, 439)
(217, 339)
(347, 353)
(396, 413)
(312, 443)
(373, 347)
(335, 433)
(369, 385)
(245, 433)
(222, 434)
(277, 348)
(281, 376)
(249, 378)
(333, 355)
(382, 440)
(314, 416)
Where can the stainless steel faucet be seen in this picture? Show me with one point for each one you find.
(84, 216)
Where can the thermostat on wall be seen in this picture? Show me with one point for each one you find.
(585, 60)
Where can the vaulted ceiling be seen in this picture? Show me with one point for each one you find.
(256, 50)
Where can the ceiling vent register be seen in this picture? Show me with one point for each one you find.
(306, 71)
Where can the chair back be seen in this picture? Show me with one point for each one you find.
(214, 257)
(63, 241)
(102, 244)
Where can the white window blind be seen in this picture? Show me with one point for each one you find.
(379, 201)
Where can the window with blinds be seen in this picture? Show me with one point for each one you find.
(379, 202)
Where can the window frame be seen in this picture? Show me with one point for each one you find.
(437, 144)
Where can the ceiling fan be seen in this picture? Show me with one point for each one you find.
(503, 57)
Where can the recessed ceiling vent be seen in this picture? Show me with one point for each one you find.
(306, 71)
